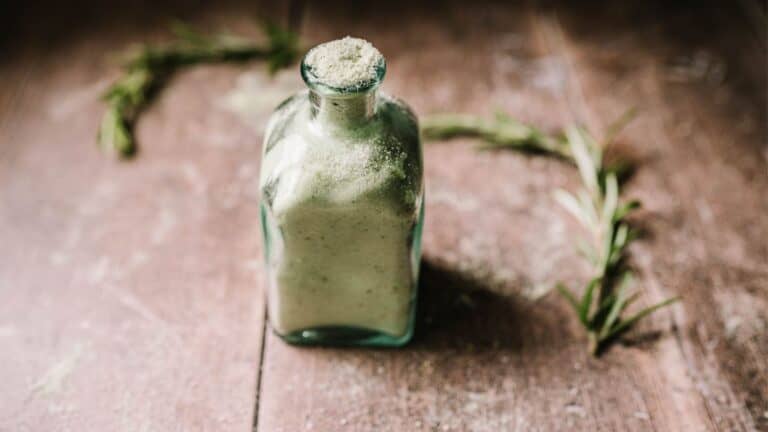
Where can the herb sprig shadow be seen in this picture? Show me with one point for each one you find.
(148, 67)
(602, 306)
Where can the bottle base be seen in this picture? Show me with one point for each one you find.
(344, 336)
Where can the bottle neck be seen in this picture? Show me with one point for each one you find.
(343, 110)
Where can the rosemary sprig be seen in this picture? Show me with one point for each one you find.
(145, 69)
(596, 206)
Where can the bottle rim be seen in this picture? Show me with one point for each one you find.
(316, 84)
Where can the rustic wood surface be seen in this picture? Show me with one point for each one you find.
(131, 292)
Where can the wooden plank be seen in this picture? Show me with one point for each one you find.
(131, 291)
(131, 298)
(487, 356)
(703, 170)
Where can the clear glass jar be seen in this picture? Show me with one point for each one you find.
(342, 214)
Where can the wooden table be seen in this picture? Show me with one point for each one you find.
(131, 293)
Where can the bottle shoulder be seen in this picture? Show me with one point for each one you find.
(394, 128)
(303, 164)
(283, 118)
(398, 121)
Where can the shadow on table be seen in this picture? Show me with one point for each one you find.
(458, 312)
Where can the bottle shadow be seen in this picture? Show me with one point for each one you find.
(458, 312)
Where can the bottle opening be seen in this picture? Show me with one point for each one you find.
(343, 66)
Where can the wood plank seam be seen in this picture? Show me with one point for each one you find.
(264, 330)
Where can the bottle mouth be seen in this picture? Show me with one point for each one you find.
(363, 86)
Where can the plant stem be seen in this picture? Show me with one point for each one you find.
(498, 132)
(596, 206)
(593, 345)
(146, 69)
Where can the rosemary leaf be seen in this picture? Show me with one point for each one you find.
(569, 296)
(587, 205)
(617, 305)
(586, 302)
(611, 198)
(615, 128)
(587, 251)
(624, 209)
(628, 323)
(621, 239)
(115, 133)
(584, 160)
(572, 205)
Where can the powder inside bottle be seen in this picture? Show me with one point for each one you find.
(339, 205)
(346, 63)
(342, 180)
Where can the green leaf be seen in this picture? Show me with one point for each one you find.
(621, 237)
(587, 205)
(608, 251)
(583, 158)
(115, 135)
(617, 306)
(572, 205)
(613, 130)
(628, 323)
(605, 305)
(586, 302)
(611, 199)
(595, 150)
(565, 292)
(623, 210)
(631, 299)
(602, 311)
(587, 251)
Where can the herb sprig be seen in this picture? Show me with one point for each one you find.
(145, 70)
(602, 306)
(501, 131)
(597, 207)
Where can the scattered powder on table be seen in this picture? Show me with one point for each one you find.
(344, 63)
(52, 381)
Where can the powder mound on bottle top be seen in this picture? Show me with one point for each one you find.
(344, 63)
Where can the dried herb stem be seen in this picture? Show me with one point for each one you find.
(498, 132)
(146, 68)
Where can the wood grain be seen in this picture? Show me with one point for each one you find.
(131, 293)
(486, 356)
(705, 165)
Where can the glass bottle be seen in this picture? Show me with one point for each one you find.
(342, 214)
